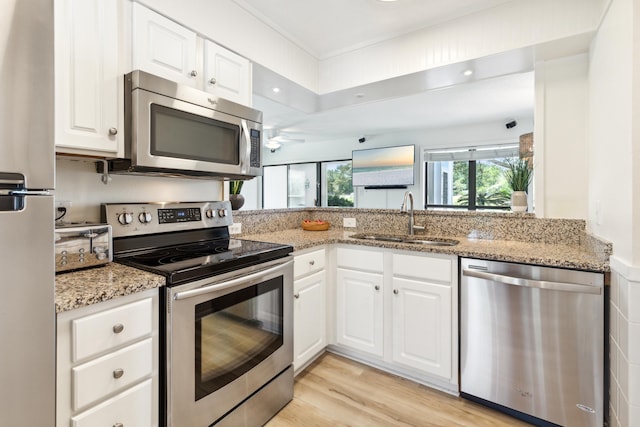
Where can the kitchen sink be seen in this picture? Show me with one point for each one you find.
(419, 240)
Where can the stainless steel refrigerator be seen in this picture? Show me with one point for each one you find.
(27, 276)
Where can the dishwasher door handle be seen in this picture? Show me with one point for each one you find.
(530, 283)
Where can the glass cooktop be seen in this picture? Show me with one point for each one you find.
(191, 261)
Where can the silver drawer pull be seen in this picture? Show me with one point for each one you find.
(395, 292)
(117, 328)
(118, 425)
(118, 373)
(296, 296)
(376, 287)
(312, 262)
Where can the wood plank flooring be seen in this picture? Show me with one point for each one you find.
(335, 391)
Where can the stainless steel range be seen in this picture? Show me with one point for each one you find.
(227, 311)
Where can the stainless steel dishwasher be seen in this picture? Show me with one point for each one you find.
(532, 341)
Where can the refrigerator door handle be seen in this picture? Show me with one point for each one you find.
(21, 193)
(528, 283)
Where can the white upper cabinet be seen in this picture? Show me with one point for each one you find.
(167, 49)
(163, 47)
(226, 74)
(88, 77)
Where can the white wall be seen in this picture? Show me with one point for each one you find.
(610, 138)
(614, 199)
(340, 149)
(77, 181)
(512, 25)
(560, 138)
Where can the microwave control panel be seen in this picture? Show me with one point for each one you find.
(254, 161)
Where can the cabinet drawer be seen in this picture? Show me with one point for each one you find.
(308, 263)
(108, 329)
(360, 259)
(422, 267)
(115, 371)
(131, 408)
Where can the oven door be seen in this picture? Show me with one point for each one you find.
(226, 339)
(172, 134)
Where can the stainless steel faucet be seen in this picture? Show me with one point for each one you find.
(403, 208)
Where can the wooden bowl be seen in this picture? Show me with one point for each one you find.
(315, 226)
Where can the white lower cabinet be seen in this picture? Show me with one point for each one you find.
(422, 333)
(398, 311)
(309, 307)
(359, 310)
(109, 377)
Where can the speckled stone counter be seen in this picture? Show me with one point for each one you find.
(545, 254)
(85, 287)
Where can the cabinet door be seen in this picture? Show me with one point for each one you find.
(422, 326)
(226, 74)
(88, 81)
(309, 317)
(359, 305)
(163, 47)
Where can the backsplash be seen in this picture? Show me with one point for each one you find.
(78, 182)
(479, 225)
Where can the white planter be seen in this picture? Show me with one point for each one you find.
(519, 201)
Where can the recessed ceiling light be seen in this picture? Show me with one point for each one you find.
(360, 94)
(467, 72)
(276, 89)
(386, 1)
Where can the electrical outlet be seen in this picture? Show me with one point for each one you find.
(349, 222)
(66, 204)
(235, 228)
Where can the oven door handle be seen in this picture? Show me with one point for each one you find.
(214, 287)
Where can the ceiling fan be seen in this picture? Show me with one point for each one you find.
(275, 140)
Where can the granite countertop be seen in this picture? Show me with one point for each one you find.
(85, 287)
(545, 254)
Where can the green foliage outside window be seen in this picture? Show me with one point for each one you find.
(339, 185)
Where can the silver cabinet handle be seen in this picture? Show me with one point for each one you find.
(395, 292)
(528, 283)
(118, 425)
(194, 73)
(118, 373)
(312, 262)
(296, 296)
(213, 81)
(117, 328)
(113, 131)
(22, 192)
(376, 287)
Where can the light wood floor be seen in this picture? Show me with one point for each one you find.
(335, 391)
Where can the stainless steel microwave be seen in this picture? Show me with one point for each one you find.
(172, 129)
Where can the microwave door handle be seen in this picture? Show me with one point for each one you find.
(247, 146)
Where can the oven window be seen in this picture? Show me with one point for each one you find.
(236, 332)
(184, 135)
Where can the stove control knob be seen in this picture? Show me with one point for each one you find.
(209, 213)
(144, 217)
(222, 213)
(125, 218)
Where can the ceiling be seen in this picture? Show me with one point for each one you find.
(328, 27)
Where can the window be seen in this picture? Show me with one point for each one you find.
(296, 185)
(470, 178)
(338, 183)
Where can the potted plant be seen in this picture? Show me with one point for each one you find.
(236, 199)
(518, 174)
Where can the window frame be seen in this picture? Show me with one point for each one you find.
(471, 158)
